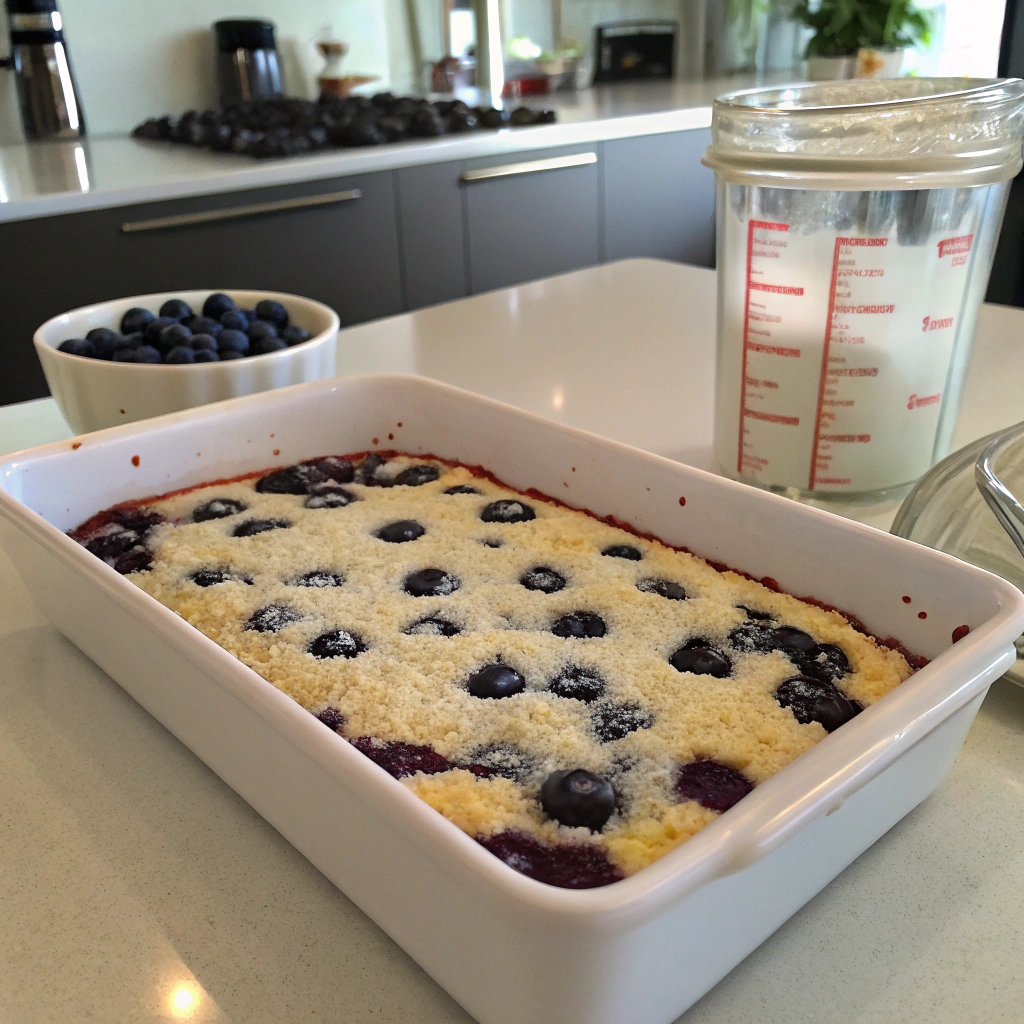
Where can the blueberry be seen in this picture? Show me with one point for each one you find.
(180, 354)
(578, 798)
(432, 626)
(147, 354)
(541, 578)
(579, 625)
(206, 355)
(613, 721)
(173, 335)
(123, 355)
(103, 338)
(230, 340)
(700, 658)
(136, 319)
(304, 477)
(567, 865)
(230, 354)
(271, 618)
(713, 785)
(491, 118)
(462, 489)
(337, 643)
(401, 531)
(825, 661)
(400, 759)
(78, 347)
(260, 330)
(136, 340)
(578, 683)
(233, 320)
(501, 759)
(507, 510)
(319, 578)
(791, 640)
(295, 335)
(211, 577)
(217, 508)
(203, 341)
(273, 311)
(754, 637)
(430, 583)
(426, 123)
(367, 472)
(329, 496)
(249, 314)
(752, 613)
(495, 681)
(265, 346)
(155, 328)
(331, 717)
(663, 588)
(217, 304)
(492, 542)
(204, 325)
(176, 309)
(520, 117)
(626, 551)
(416, 476)
(817, 700)
(251, 527)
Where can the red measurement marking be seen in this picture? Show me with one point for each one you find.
(951, 246)
(824, 362)
(906, 599)
(770, 417)
(774, 350)
(748, 346)
(960, 632)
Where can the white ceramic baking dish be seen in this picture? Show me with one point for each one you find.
(510, 949)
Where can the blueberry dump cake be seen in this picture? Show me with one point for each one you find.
(576, 698)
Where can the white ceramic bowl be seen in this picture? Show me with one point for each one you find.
(97, 393)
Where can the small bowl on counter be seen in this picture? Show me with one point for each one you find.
(95, 393)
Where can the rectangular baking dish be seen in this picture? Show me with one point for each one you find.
(512, 950)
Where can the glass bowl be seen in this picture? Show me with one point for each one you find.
(967, 506)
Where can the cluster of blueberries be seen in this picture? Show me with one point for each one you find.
(287, 127)
(178, 335)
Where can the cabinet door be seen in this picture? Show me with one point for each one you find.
(659, 200)
(340, 251)
(431, 229)
(537, 215)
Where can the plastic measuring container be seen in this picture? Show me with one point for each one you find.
(857, 222)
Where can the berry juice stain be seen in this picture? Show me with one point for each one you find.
(922, 615)
(135, 460)
(682, 501)
(960, 632)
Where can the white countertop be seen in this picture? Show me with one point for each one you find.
(41, 179)
(129, 872)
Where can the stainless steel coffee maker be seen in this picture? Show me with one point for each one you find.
(246, 60)
(39, 58)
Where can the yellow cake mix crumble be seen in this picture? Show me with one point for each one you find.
(578, 699)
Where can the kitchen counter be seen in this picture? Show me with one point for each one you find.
(136, 887)
(42, 179)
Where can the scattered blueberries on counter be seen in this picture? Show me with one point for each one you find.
(287, 126)
(179, 335)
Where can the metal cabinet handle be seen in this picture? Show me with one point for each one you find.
(554, 163)
(181, 220)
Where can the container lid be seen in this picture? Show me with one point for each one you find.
(244, 34)
(898, 133)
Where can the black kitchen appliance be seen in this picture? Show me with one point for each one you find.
(628, 50)
(247, 65)
(39, 58)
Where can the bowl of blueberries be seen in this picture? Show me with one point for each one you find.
(133, 358)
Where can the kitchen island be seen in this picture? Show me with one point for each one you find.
(372, 231)
(137, 887)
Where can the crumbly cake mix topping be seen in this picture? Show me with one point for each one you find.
(578, 699)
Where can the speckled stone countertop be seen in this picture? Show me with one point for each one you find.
(136, 887)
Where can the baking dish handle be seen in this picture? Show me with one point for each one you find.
(850, 766)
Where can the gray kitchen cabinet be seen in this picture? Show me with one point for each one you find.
(524, 220)
(658, 199)
(431, 232)
(317, 239)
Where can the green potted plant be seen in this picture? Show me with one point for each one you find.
(863, 37)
